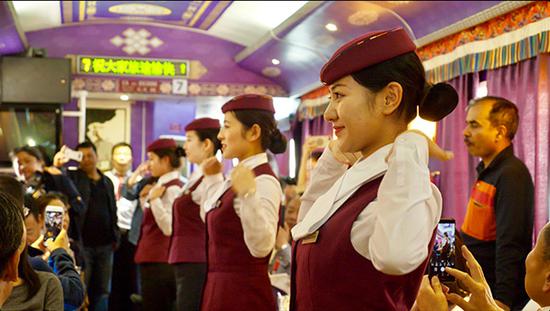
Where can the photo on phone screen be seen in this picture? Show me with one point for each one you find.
(444, 250)
(54, 222)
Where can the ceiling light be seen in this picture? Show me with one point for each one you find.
(124, 97)
(331, 27)
(275, 61)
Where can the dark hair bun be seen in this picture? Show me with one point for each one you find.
(180, 152)
(278, 142)
(440, 100)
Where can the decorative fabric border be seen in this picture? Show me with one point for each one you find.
(164, 87)
(505, 40)
(511, 21)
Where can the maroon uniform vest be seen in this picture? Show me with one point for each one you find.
(330, 275)
(189, 232)
(153, 245)
(236, 280)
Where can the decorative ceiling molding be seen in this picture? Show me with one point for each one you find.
(140, 41)
(476, 19)
(193, 14)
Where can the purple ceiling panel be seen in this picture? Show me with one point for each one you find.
(11, 40)
(304, 47)
(425, 17)
(195, 14)
(216, 55)
(297, 65)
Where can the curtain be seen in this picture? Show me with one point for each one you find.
(526, 84)
(457, 175)
(300, 130)
(316, 126)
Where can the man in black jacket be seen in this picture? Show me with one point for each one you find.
(100, 233)
(498, 226)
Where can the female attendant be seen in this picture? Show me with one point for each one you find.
(242, 213)
(365, 232)
(157, 276)
(187, 248)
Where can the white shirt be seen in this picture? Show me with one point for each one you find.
(533, 306)
(199, 194)
(259, 213)
(162, 207)
(394, 230)
(125, 208)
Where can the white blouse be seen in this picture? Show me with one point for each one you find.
(394, 230)
(162, 207)
(199, 194)
(259, 213)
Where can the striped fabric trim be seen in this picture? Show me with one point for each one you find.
(482, 55)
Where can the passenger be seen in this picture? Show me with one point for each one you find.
(100, 235)
(44, 179)
(12, 241)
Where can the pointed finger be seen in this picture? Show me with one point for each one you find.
(473, 265)
(470, 284)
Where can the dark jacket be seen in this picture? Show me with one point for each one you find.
(61, 183)
(498, 226)
(82, 183)
(61, 264)
(133, 194)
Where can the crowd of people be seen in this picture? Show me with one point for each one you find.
(358, 238)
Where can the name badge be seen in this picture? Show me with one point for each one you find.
(310, 239)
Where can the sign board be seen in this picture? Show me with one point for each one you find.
(132, 67)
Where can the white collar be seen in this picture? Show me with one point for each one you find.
(197, 173)
(544, 309)
(195, 176)
(327, 204)
(255, 160)
(175, 174)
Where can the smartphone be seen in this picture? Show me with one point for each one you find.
(54, 221)
(72, 154)
(444, 253)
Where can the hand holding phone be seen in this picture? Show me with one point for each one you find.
(61, 241)
(54, 221)
(72, 154)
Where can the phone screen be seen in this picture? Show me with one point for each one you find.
(54, 223)
(444, 250)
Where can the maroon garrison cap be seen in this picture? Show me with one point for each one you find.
(249, 101)
(203, 124)
(367, 50)
(162, 143)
